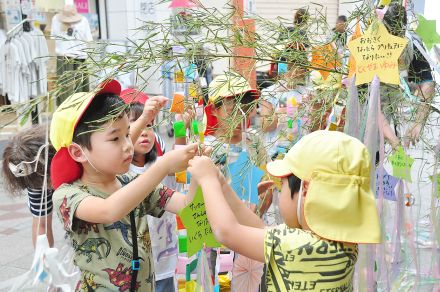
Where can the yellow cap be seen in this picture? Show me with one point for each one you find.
(339, 204)
(228, 85)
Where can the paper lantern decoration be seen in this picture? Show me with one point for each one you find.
(179, 129)
(178, 104)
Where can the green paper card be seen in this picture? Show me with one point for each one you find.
(401, 164)
(198, 229)
(433, 177)
(427, 32)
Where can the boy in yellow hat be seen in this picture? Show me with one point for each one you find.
(327, 206)
(103, 210)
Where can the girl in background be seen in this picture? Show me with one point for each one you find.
(24, 170)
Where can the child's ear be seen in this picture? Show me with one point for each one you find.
(305, 187)
(214, 111)
(76, 152)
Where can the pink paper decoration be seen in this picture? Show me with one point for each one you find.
(181, 4)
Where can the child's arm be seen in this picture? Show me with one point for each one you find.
(151, 109)
(179, 201)
(243, 214)
(246, 240)
(121, 202)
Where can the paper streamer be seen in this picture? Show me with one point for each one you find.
(371, 137)
(352, 121)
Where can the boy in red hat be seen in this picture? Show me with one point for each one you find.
(104, 210)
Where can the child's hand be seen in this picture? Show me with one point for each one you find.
(177, 160)
(202, 167)
(265, 194)
(152, 107)
(187, 117)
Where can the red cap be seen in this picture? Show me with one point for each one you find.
(212, 121)
(131, 95)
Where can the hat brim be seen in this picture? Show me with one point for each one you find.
(133, 96)
(109, 86)
(215, 99)
(278, 168)
(63, 169)
(70, 19)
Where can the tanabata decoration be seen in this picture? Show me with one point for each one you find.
(436, 180)
(401, 164)
(245, 177)
(199, 232)
(178, 104)
(246, 274)
(179, 129)
(426, 30)
(384, 2)
(179, 76)
(351, 61)
(181, 4)
(325, 59)
(376, 53)
(389, 185)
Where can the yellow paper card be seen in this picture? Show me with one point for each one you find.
(377, 53)
(384, 2)
(351, 61)
(179, 77)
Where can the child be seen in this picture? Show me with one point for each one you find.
(147, 149)
(327, 206)
(103, 211)
(230, 96)
(24, 169)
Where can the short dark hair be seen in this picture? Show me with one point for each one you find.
(395, 19)
(294, 184)
(103, 108)
(301, 16)
(136, 110)
(342, 18)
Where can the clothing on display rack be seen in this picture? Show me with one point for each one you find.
(23, 65)
(71, 32)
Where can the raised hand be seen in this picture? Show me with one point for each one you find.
(152, 107)
(201, 168)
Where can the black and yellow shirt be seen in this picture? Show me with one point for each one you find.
(298, 260)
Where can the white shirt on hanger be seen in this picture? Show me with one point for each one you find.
(42, 52)
(12, 68)
(30, 41)
(71, 46)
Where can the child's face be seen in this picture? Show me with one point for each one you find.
(288, 205)
(112, 149)
(145, 143)
(230, 121)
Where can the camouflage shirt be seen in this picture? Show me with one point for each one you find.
(103, 252)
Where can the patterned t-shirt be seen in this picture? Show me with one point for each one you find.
(298, 260)
(103, 252)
